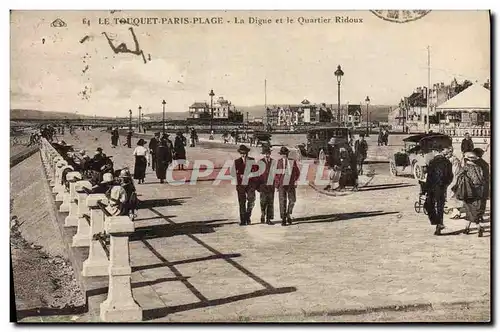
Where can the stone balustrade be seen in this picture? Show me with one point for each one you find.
(92, 223)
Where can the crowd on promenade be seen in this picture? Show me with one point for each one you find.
(458, 185)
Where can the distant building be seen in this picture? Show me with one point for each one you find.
(222, 110)
(353, 115)
(199, 110)
(299, 114)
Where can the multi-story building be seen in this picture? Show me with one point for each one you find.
(222, 110)
(199, 110)
(300, 114)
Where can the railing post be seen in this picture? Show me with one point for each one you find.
(120, 305)
(97, 264)
(63, 194)
(59, 168)
(53, 180)
(82, 237)
(72, 218)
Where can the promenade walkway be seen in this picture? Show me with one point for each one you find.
(191, 261)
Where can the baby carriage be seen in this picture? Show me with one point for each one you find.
(419, 204)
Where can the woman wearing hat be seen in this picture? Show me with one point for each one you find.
(472, 176)
(141, 161)
(180, 149)
(163, 159)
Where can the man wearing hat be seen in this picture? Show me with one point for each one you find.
(360, 150)
(115, 135)
(486, 175)
(153, 144)
(245, 186)
(287, 175)
(439, 177)
(266, 187)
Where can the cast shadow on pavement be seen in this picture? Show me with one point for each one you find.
(339, 216)
(167, 230)
(104, 290)
(203, 302)
(473, 231)
(151, 203)
(386, 186)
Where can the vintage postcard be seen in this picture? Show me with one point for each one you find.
(250, 166)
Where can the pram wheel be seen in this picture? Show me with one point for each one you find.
(417, 207)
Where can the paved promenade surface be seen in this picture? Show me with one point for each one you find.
(191, 261)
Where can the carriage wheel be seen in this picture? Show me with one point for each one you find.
(418, 172)
(417, 207)
(392, 168)
(322, 156)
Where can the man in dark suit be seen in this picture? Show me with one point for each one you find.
(153, 144)
(467, 144)
(245, 186)
(266, 187)
(287, 175)
(439, 177)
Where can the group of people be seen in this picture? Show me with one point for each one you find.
(345, 160)
(457, 184)
(284, 181)
(159, 154)
(383, 137)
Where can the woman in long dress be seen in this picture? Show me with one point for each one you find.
(163, 158)
(141, 161)
(475, 176)
(451, 202)
(180, 150)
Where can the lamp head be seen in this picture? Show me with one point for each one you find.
(339, 73)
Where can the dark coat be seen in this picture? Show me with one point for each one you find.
(486, 176)
(280, 180)
(153, 144)
(266, 184)
(239, 170)
(179, 148)
(467, 145)
(439, 173)
(163, 159)
(361, 149)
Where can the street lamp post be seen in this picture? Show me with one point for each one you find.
(338, 73)
(367, 100)
(139, 120)
(130, 120)
(211, 94)
(163, 122)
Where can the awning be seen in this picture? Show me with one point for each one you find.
(475, 98)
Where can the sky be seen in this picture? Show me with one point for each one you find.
(383, 60)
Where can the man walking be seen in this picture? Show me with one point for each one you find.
(266, 187)
(439, 177)
(285, 181)
(153, 144)
(360, 150)
(467, 144)
(245, 186)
